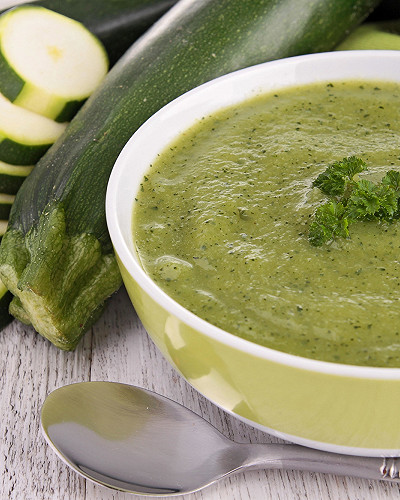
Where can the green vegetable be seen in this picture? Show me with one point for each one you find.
(57, 230)
(380, 32)
(330, 221)
(335, 179)
(25, 136)
(352, 199)
(392, 179)
(6, 201)
(12, 177)
(49, 63)
(374, 36)
(372, 201)
(117, 23)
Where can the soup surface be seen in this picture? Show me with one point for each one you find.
(221, 221)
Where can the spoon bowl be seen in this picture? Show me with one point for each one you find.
(134, 440)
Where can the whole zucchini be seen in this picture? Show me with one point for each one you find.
(117, 23)
(381, 35)
(56, 256)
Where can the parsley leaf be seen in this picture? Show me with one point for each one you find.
(392, 179)
(334, 180)
(352, 199)
(330, 220)
(371, 201)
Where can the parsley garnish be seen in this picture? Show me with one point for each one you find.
(352, 199)
(337, 177)
(330, 221)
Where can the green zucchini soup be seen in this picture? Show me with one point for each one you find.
(222, 220)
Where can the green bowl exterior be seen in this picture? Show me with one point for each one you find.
(329, 409)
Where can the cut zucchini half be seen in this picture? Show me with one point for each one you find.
(49, 63)
(25, 136)
(6, 201)
(11, 178)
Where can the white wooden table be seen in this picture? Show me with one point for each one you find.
(118, 349)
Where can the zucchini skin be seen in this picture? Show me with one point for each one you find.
(193, 43)
(11, 85)
(11, 178)
(117, 23)
(16, 153)
(4, 213)
(10, 184)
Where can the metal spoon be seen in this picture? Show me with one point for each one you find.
(135, 440)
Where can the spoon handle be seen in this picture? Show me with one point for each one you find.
(295, 457)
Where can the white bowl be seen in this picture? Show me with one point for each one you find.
(335, 407)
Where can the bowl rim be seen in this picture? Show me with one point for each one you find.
(170, 305)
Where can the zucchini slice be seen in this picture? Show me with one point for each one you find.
(49, 63)
(3, 227)
(11, 178)
(24, 135)
(57, 230)
(6, 201)
(117, 23)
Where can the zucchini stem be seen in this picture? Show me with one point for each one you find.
(60, 281)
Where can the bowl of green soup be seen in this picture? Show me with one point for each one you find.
(256, 222)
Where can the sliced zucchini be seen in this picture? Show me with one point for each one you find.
(117, 23)
(6, 201)
(25, 136)
(49, 63)
(3, 227)
(11, 177)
